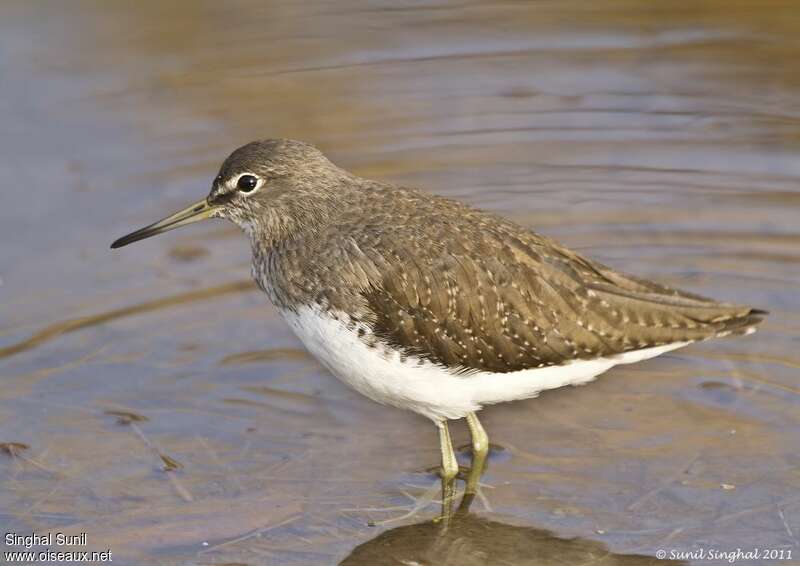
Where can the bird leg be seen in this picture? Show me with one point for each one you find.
(480, 449)
(449, 470)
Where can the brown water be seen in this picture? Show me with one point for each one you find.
(166, 410)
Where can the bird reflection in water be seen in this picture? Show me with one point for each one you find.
(470, 540)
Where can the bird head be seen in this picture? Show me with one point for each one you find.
(254, 185)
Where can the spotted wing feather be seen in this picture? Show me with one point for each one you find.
(490, 296)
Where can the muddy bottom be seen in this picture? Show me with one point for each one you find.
(153, 399)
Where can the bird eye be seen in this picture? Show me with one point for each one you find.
(247, 183)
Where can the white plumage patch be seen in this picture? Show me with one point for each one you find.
(429, 389)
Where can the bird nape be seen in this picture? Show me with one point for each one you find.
(427, 304)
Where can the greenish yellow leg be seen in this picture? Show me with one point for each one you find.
(449, 470)
(480, 449)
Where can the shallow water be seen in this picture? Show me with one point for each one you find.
(160, 404)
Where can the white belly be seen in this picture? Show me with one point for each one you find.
(427, 388)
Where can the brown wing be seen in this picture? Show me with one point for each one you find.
(500, 299)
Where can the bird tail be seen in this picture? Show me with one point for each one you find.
(740, 324)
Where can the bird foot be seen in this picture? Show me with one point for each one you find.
(463, 472)
(418, 505)
(430, 496)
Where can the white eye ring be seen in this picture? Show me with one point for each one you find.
(248, 183)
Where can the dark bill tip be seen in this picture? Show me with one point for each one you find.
(130, 238)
